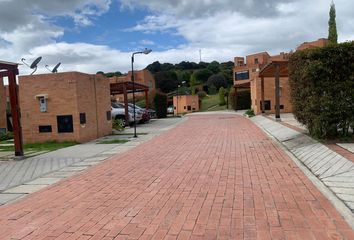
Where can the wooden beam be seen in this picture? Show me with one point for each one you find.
(15, 112)
(277, 93)
(262, 95)
(146, 99)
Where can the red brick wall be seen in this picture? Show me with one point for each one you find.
(68, 94)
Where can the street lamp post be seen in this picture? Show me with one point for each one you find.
(178, 86)
(146, 51)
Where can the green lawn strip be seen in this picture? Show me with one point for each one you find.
(114, 141)
(211, 103)
(217, 108)
(208, 102)
(45, 146)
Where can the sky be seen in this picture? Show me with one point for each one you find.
(101, 35)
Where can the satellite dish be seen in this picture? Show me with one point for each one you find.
(34, 65)
(55, 69)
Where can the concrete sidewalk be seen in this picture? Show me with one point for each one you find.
(19, 178)
(332, 169)
(214, 176)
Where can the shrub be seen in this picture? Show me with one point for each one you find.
(322, 89)
(160, 102)
(250, 113)
(222, 97)
(118, 124)
(232, 97)
(6, 136)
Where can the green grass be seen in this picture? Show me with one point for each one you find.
(45, 146)
(114, 141)
(211, 103)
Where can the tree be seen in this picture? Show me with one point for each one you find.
(154, 67)
(183, 76)
(202, 75)
(222, 97)
(166, 81)
(160, 103)
(332, 26)
(214, 66)
(217, 80)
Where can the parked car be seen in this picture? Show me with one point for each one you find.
(145, 114)
(118, 112)
(170, 110)
(138, 114)
(152, 113)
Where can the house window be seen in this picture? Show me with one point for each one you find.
(82, 118)
(267, 105)
(280, 106)
(185, 107)
(65, 124)
(242, 75)
(256, 61)
(45, 128)
(189, 108)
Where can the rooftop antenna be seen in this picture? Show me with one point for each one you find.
(34, 65)
(55, 69)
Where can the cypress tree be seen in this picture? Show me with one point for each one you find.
(332, 26)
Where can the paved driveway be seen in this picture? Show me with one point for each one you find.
(212, 177)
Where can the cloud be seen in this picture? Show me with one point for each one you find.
(202, 8)
(146, 42)
(221, 29)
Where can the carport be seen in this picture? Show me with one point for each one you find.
(10, 70)
(276, 70)
(128, 87)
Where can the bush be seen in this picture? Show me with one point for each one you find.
(322, 89)
(232, 97)
(250, 113)
(118, 124)
(160, 102)
(222, 97)
(6, 136)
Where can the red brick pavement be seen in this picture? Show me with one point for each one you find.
(212, 177)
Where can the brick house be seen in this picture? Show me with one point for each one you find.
(247, 77)
(186, 103)
(70, 106)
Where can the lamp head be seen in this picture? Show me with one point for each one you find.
(147, 51)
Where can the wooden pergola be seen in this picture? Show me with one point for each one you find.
(10, 70)
(128, 87)
(276, 69)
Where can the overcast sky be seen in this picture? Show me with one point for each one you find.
(94, 35)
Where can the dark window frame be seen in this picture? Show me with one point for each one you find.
(82, 118)
(69, 127)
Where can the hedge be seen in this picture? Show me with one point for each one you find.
(322, 89)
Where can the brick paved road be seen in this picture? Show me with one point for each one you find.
(212, 177)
